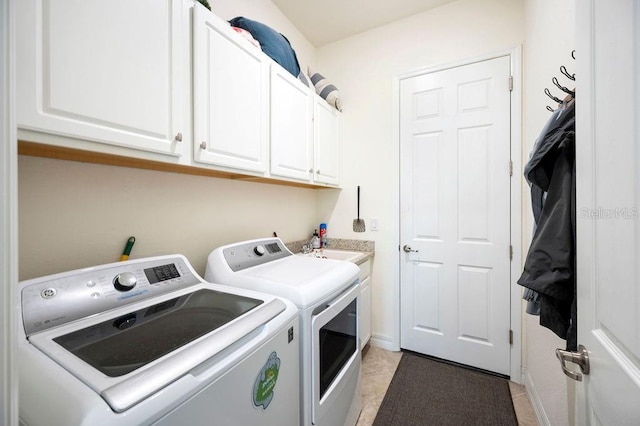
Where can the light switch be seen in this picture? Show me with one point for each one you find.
(374, 224)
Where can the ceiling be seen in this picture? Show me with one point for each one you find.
(326, 21)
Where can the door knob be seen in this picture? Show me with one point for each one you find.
(581, 358)
(407, 249)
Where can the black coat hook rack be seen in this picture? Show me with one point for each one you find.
(565, 89)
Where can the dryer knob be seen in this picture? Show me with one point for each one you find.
(259, 250)
(125, 281)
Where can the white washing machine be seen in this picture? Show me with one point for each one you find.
(326, 294)
(148, 342)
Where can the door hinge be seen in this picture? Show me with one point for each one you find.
(510, 168)
(511, 337)
(510, 252)
(511, 83)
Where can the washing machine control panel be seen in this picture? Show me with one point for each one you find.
(254, 253)
(58, 299)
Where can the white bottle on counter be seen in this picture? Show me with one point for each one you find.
(315, 240)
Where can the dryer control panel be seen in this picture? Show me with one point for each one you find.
(253, 253)
(58, 299)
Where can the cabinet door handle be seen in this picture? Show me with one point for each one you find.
(179, 137)
(203, 145)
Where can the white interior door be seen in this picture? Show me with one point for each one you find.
(455, 214)
(608, 203)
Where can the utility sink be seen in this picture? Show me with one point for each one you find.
(348, 256)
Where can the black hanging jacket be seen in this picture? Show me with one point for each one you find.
(550, 265)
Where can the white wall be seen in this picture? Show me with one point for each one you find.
(363, 68)
(550, 38)
(75, 215)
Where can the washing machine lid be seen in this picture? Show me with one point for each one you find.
(127, 366)
(305, 281)
(118, 346)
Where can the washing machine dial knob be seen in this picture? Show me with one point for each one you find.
(259, 250)
(125, 281)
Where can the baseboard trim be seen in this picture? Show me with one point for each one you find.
(383, 342)
(532, 393)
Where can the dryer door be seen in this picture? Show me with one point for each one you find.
(335, 353)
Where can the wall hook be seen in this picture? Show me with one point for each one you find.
(564, 71)
(548, 93)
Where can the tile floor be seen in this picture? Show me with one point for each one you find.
(378, 366)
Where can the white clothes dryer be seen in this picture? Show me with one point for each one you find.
(326, 294)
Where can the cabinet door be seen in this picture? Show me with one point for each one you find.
(103, 71)
(231, 96)
(365, 312)
(326, 155)
(291, 126)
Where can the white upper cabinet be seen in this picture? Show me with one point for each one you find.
(231, 97)
(102, 71)
(304, 132)
(326, 152)
(291, 126)
(167, 81)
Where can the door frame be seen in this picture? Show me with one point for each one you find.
(517, 182)
(8, 219)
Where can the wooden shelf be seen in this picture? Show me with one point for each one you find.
(35, 149)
